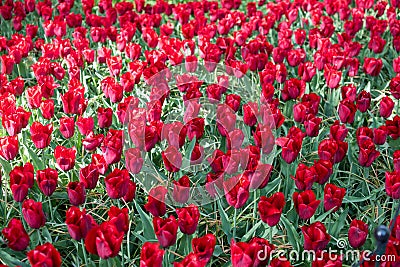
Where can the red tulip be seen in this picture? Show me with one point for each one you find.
(67, 127)
(65, 157)
(41, 134)
(248, 254)
(8, 147)
(347, 111)
(368, 153)
(16, 236)
(315, 236)
(165, 230)
(270, 208)
(372, 66)
(151, 255)
(78, 223)
(21, 179)
(134, 160)
(130, 195)
(33, 213)
(291, 144)
(104, 240)
(120, 218)
(386, 107)
(156, 201)
(358, 233)
(117, 183)
(188, 218)
(237, 190)
(333, 197)
(172, 159)
(89, 176)
(76, 193)
(112, 146)
(47, 180)
(44, 255)
(305, 204)
(181, 189)
(392, 184)
(204, 247)
(305, 177)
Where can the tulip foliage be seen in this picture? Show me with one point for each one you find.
(282, 132)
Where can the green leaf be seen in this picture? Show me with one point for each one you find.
(148, 231)
(293, 236)
(251, 232)
(6, 166)
(11, 261)
(340, 222)
(226, 225)
(38, 163)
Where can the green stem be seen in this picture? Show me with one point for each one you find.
(234, 224)
(40, 237)
(84, 252)
(51, 210)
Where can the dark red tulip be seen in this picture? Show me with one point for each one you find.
(380, 135)
(363, 101)
(358, 233)
(372, 66)
(130, 195)
(195, 128)
(395, 87)
(92, 141)
(392, 184)
(338, 131)
(250, 112)
(204, 247)
(305, 177)
(386, 107)
(305, 204)
(333, 197)
(78, 223)
(293, 89)
(172, 159)
(368, 153)
(104, 240)
(89, 176)
(270, 208)
(156, 201)
(21, 179)
(117, 183)
(47, 180)
(33, 213)
(347, 111)
(120, 218)
(76, 193)
(396, 160)
(233, 101)
(112, 146)
(165, 230)
(188, 218)
(44, 255)
(291, 144)
(324, 169)
(315, 236)
(41, 134)
(237, 190)
(248, 254)
(260, 177)
(16, 236)
(151, 255)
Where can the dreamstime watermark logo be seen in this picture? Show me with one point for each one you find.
(331, 254)
(187, 141)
